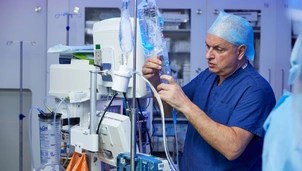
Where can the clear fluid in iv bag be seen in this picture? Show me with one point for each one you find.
(151, 25)
(155, 33)
(142, 14)
(125, 31)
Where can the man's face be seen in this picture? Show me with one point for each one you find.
(222, 56)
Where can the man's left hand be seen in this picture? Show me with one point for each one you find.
(172, 93)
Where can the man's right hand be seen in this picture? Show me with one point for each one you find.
(151, 69)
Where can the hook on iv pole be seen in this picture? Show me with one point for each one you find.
(69, 15)
(11, 42)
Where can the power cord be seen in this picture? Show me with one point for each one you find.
(140, 109)
(105, 110)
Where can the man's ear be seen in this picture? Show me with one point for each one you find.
(241, 51)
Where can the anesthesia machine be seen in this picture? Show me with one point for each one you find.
(91, 100)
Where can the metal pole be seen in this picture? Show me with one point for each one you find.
(134, 112)
(21, 110)
(21, 116)
(93, 82)
(67, 29)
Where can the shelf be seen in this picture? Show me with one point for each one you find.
(171, 119)
(185, 53)
(177, 30)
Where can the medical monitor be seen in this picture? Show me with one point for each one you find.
(106, 40)
(114, 137)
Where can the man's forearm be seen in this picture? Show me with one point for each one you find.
(229, 141)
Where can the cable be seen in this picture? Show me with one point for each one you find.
(139, 131)
(150, 140)
(172, 164)
(126, 104)
(140, 109)
(139, 106)
(105, 110)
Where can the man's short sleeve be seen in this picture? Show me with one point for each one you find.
(252, 110)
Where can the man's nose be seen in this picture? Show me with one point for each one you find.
(209, 54)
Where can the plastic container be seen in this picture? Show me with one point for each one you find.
(50, 134)
(121, 79)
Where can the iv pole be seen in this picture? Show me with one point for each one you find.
(21, 116)
(134, 111)
(76, 12)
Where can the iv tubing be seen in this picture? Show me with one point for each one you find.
(62, 100)
(29, 137)
(163, 122)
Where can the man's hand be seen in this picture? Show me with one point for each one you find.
(172, 93)
(151, 69)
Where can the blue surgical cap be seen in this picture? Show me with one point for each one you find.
(235, 30)
(294, 13)
(295, 60)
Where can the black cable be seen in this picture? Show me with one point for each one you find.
(139, 106)
(140, 109)
(126, 104)
(107, 107)
(151, 144)
(124, 94)
(99, 66)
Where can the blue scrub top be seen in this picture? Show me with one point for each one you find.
(242, 100)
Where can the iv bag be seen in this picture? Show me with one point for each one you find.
(125, 31)
(151, 27)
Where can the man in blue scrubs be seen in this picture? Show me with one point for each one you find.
(226, 104)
